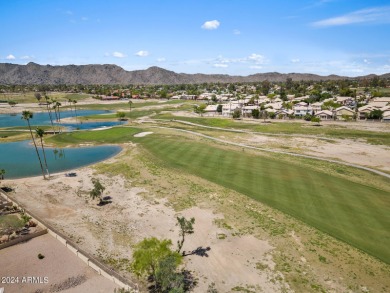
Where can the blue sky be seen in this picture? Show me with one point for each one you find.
(236, 37)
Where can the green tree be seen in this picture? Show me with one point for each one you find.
(121, 115)
(40, 133)
(75, 110)
(38, 96)
(167, 278)
(236, 114)
(219, 109)
(97, 191)
(186, 227)
(149, 256)
(2, 172)
(27, 115)
(200, 109)
(315, 120)
(12, 103)
(375, 114)
(256, 113)
(130, 104)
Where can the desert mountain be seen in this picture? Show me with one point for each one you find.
(33, 73)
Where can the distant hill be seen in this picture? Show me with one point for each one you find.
(33, 73)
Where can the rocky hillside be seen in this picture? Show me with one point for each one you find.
(33, 73)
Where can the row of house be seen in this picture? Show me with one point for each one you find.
(301, 109)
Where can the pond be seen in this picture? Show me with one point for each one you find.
(19, 159)
(42, 118)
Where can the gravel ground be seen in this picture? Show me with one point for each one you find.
(58, 271)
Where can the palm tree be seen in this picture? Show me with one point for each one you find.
(75, 112)
(27, 115)
(39, 133)
(130, 103)
(48, 102)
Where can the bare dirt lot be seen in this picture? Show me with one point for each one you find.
(22, 272)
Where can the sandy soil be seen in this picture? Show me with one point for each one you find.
(142, 134)
(58, 266)
(111, 230)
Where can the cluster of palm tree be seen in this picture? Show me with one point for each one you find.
(27, 115)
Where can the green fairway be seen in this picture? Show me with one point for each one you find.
(352, 212)
(355, 213)
(331, 131)
(108, 136)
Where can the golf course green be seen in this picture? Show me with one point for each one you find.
(355, 213)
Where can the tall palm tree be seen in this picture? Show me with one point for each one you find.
(27, 115)
(40, 133)
(48, 103)
(75, 112)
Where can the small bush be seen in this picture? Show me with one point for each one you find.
(41, 256)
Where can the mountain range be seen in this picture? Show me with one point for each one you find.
(33, 73)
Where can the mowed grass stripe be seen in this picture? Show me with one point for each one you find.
(344, 209)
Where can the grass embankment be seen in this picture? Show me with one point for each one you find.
(18, 133)
(109, 136)
(353, 212)
(331, 131)
(137, 111)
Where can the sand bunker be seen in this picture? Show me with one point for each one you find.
(142, 134)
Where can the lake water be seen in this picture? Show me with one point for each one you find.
(19, 159)
(42, 118)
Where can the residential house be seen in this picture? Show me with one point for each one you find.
(284, 113)
(324, 115)
(211, 110)
(343, 113)
(386, 116)
(364, 111)
(344, 100)
(301, 111)
(247, 110)
(316, 107)
(228, 109)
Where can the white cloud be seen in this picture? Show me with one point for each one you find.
(162, 59)
(258, 59)
(118, 55)
(26, 57)
(369, 15)
(142, 53)
(10, 57)
(296, 60)
(366, 61)
(211, 25)
(236, 32)
(220, 65)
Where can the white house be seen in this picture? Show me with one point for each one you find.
(211, 110)
(302, 110)
(228, 109)
(247, 110)
(316, 106)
